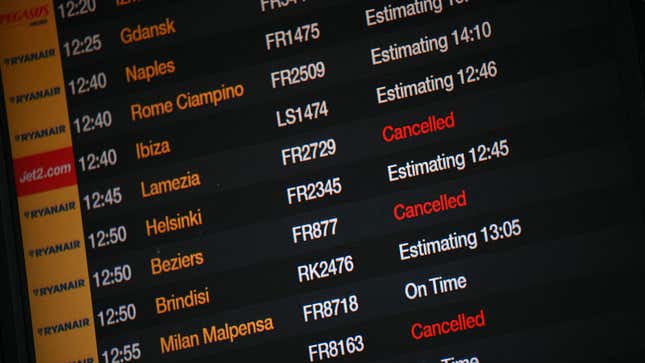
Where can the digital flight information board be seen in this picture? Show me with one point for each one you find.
(427, 181)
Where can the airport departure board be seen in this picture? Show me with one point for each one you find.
(428, 181)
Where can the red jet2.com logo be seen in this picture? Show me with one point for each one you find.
(30, 16)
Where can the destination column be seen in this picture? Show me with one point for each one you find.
(45, 176)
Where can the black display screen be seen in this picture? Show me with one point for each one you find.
(324, 181)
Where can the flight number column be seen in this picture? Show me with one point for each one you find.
(305, 191)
